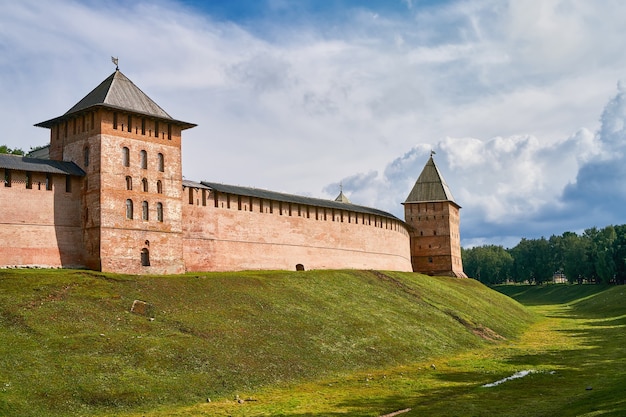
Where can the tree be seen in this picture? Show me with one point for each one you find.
(5, 149)
(489, 264)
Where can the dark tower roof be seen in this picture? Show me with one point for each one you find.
(430, 186)
(118, 92)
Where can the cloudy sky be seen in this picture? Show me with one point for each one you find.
(522, 100)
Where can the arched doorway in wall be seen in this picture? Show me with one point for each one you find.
(145, 257)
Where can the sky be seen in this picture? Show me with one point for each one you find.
(522, 101)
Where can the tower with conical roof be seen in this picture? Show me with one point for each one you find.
(433, 217)
(130, 149)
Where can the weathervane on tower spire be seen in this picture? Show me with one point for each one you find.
(115, 60)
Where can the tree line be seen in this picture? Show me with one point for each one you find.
(596, 256)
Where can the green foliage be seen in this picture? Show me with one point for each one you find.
(598, 255)
(70, 346)
(5, 149)
(489, 264)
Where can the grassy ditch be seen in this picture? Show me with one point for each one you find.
(70, 346)
(576, 350)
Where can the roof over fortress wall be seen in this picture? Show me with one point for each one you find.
(118, 92)
(430, 186)
(287, 198)
(23, 163)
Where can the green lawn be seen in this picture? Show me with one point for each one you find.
(575, 349)
(314, 343)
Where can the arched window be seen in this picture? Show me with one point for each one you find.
(144, 185)
(125, 156)
(144, 210)
(129, 183)
(160, 212)
(129, 209)
(144, 160)
(159, 187)
(145, 257)
(161, 163)
(86, 155)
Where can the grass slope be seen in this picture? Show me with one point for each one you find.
(70, 346)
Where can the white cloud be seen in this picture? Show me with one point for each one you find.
(495, 87)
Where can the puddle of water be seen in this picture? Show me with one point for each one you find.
(520, 374)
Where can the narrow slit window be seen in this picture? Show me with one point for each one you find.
(144, 185)
(129, 209)
(48, 182)
(129, 182)
(114, 120)
(129, 124)
(144, 211)
(29, 180)
(161, 163)
(86, 155)
(169, 131)
(159, 187)
(7, 177)
(144, 159)
(160, 212)
(126, 156)
(156, 128)
(68, 183)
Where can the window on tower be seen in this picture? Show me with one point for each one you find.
(144, 159)
(126, 156)
(129, 209)
(160, 212)
(161, 163)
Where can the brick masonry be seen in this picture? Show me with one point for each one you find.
(173, 229)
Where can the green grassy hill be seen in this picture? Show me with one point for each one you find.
(69, 344)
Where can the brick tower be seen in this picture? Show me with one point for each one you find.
(130, 149)
(433, 216)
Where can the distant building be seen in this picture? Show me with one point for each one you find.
(108, 194)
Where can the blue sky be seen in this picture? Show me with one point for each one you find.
(522, 100)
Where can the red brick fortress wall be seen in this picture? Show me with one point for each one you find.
(241, 234)
(39, 226)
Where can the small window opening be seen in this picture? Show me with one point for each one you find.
(144, 211)
(129, 182)
(145, 257)
(125, 156)
(144, 159)
(48, 182)
(156, 128)
(160, 212)
(129, 124)
(68, 183)
(159, 187)
(144, 185)
(29, 180)
(169, 131)
(114, 120)
(7, 177)
(190, 195)
(129, 209)
(86, 155)
(161, 163)
(143, 126)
